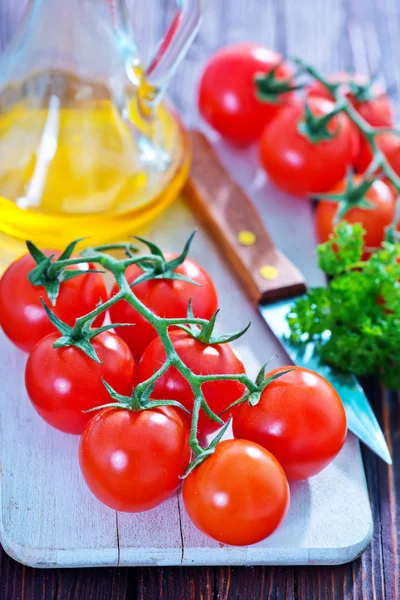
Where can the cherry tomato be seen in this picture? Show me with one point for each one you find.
(227, 94)
(133, 461)
(300, 419)
(202, 359)
(166, 298)
(64, 382)
(389, 144)
(296, 164)
(22, 317)
(239, 495)
(377, 111)
(374, 220)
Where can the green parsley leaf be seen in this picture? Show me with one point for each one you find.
(360, 307)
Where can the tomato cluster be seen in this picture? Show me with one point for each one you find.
(248, 93)
(135, 449)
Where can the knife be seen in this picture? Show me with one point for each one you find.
(271, 280)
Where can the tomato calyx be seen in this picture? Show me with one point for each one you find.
(79, 336)
(314, 128)
(138, 401)
(262, 381)
(361, 92)
(269, 88)
(157, 266)
(205, 333)
(50, 274)
(353, 196)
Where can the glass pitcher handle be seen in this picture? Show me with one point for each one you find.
(173, 46)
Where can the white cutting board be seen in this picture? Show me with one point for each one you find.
(50, 519)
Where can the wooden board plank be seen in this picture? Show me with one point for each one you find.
(46, 511)
(49, 518)
(277, 24)
(151, 538)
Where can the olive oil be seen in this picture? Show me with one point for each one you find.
(76, 167)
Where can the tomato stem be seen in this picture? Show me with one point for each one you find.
(119, 246)
(241, 378)
(370, 133)
(314, 128)
(166, 365)
(81, 321)
(81, 334)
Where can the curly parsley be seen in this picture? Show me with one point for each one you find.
(360, 307)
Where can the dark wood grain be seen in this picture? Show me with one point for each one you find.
(176, 583)
(335, 34)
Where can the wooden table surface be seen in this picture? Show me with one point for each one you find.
(334, 34)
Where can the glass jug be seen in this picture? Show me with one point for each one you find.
(87, 148)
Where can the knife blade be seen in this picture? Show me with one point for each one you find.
(271, 280)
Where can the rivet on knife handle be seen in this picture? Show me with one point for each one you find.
(226, 210)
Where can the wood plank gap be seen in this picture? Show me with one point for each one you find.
(56, 586)
(382, 562)
(216, 595)
(386, 432)
(280, 19)
(180, 526)
(391, 484)
(270, 581)
(356, 39)
(378, 487)
(117, 531)
(346, 18)
(295, 585)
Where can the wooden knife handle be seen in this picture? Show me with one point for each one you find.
(229, 214)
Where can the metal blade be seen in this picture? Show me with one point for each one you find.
(361, 419)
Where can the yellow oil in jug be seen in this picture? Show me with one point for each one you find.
(71, 171)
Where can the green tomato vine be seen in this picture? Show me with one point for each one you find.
(315, 129)
(154, 266)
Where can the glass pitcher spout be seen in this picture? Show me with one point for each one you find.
(153, 81)
(84, 133)
(62, 31)
(99, 30)
(173, 46)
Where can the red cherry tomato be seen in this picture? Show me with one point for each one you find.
(202, 359)
(377, 111)
(227, 94)
(64, 382)
(300, 419)
(239, 495)
(374, 220)
(295, 163)
(22, 317)
(166, 298)
(133, 461)
(389, 144)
